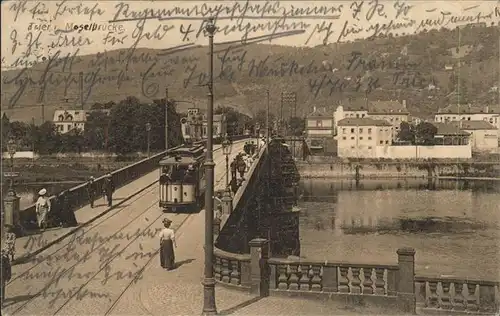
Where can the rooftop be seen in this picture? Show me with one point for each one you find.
(318, 113)
(468, 109)
(375, 107)
(449, 129)
(70, 116)
(473, 125)
(362, 122)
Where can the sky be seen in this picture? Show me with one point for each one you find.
(33, 30)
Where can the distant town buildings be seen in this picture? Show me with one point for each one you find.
(360, 137)
(68, 120)
(194, 125)
(468, 112)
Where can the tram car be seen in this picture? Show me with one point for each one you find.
(182, 179)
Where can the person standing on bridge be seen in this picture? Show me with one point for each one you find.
(42, 208)
(167, 244)
(91, 191)
(234, 165)
(6, 272)
(109, 188)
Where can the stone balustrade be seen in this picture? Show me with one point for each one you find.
(232, 269)
(448, 294)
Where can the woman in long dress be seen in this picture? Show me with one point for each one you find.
(42, 209)
(167, 244)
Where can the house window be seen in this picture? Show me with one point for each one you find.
(352, 137)
(344, 138)
(319, 123)
(352, 130)
(361, 138)
(369, 131)
(491, 120)
(357, 115)
(61, 117)
(352, 147)
(369, 138)
(362, 115)
(361, 130)
(343, 131)
(387, 142)
(381, 142)
(369, 147)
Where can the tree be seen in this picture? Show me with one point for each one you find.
(5, 131)
(236, 121)
(297, 126)
(96, 127)
(47, 140)
(261, 118)
(406, 132)
(425, 133)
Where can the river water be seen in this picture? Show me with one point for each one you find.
(454, 226)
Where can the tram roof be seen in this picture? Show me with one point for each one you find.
(184, 155)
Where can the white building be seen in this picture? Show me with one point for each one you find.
(67, 120)
(360, 137)
(483, 135)
(468, 113)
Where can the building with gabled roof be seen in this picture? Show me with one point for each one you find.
(483, 135)
(319, 129)
(359, 137)
(68, 120)
(468, 112)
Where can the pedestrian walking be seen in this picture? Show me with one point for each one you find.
(252, 148)
(10, 241)
(91, 191)
(109, 189)
(241, 165)
(42, 208)
(167, 244)
(6, 272)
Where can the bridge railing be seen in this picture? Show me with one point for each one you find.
(78, 195)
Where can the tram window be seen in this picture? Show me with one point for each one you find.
(176, 173)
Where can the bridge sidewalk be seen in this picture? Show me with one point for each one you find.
(180, 292)
(39, 241)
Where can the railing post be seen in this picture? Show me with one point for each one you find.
(406, 280)
(259, 275)
(227, 203)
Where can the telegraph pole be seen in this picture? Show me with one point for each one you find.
(80, 75)
(267, 119)
(166, 118)
(209, 307)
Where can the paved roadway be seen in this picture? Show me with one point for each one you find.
(90, 271)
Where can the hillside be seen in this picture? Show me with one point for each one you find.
(412, 67)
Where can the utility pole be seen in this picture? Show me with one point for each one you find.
(209, 307)
(267, 120)
(33, 138)
(166, 118)
(148, 130)
(80, 75)
(281, 115)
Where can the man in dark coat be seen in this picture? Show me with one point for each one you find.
(234, 167)
(109, 188)
(242, 166)
(6, 272)
(252, 149)
(91, 191)
(66, 213)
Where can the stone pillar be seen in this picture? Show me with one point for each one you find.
(259, 275)
(217, 222)
(11, 209)
(227, 203)
(406, 280)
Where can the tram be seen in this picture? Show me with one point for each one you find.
(182, 179)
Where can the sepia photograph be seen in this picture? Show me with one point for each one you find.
(250, 157)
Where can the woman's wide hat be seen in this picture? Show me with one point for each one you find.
(166, 221)
(42, 192)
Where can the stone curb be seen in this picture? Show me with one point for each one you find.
(74, 230)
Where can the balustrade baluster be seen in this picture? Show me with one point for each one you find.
(282, 271)
(343, 280)
(293, 279)
(471, 297)
(433, 296)
(316, 280)
(235, 272)
(367, 282)
(225, 272)
(356, 280)
(458, 299)
(304, 281)
(445, 296)
(379, 281)
(217, 269)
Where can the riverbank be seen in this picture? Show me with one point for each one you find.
(390, 170)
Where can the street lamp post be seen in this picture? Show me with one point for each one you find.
(148, 130)
(11, 201)
(226, 150)
(209, 307)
